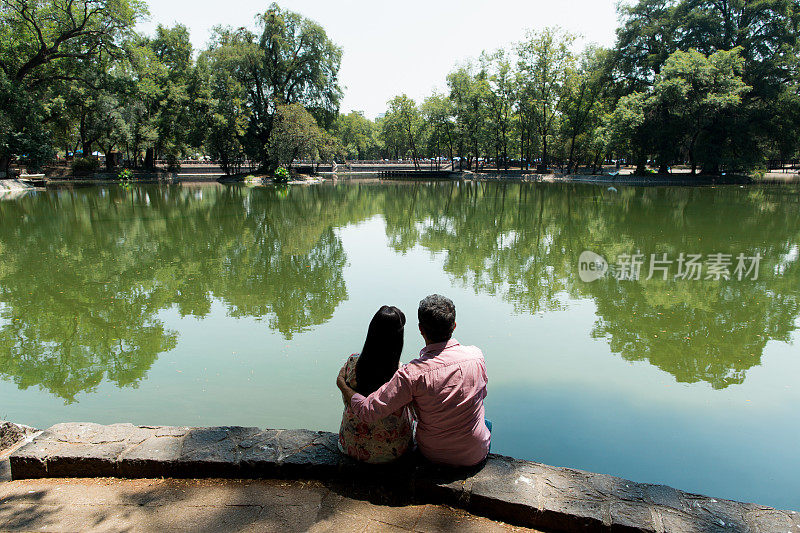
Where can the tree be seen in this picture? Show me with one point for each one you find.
(695, 91)
(46, 42)
(545, 60)
(691, 94)
(224, 113)
(292, 61)
(645, 40)
(402, 127)
(765, 32)
(295, 135)
(468, 92)
(501, 101)
(437, 111)
(357, 134)
(586, 85)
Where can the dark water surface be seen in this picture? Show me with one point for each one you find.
(212, 305)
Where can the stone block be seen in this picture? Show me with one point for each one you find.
(75, 432)
(623, 489)
(319, 459)
(85, 460)
(723, 512)
(30, 461)
(664, 496)
(155, 457)
(259, 455)
(573, 484)
(567, 514)
(212, 452)
(771, 520)
(508, 490)
(689, 523)
(514, 491)
(291, 441)
(628, 517)
(13, 434)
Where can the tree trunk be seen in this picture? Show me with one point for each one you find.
(543, 166)
(5, 166)
(570, 160)
(641, 165)
(150, 158)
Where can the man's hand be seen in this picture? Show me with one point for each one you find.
(347, 392)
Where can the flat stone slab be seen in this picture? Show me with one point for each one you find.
(517, 492)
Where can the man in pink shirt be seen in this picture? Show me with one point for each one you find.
(446, 386)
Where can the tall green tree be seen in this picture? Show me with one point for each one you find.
(44, 43)
(585, 102)
(403, 126)
(357, 134)
(437, 111)
(291, 61)
(545, 60)
(501, 102)
(469, 94)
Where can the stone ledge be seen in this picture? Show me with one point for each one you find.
(518, 492)
(13, 434)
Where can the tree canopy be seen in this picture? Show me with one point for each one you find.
(710, 84)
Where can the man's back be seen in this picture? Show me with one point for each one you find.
(448, 384)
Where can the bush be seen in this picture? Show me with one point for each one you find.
(173, 163)
(125, 175)
(86, 164)
(281, 175)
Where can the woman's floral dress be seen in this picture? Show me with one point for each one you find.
(382, 441)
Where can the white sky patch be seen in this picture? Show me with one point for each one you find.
(787, 260)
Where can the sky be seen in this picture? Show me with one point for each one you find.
(391, 48)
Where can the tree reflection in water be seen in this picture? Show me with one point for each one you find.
(84, 273)
(522, 242)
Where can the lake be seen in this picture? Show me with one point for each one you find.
(209, 305)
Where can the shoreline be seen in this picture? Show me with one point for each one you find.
(517, 492)
(655, 180)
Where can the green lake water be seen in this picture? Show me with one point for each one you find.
(213, 305)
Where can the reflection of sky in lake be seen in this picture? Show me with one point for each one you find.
(558, 394)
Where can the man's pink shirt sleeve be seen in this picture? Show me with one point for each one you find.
(393, 396)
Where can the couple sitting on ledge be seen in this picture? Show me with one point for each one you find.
(435, 400)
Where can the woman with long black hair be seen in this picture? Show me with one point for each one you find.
(387, 439)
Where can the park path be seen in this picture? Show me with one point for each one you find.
(66, 505)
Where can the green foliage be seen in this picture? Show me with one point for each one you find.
(358, 135)
(402, 127)
(295, 135)
(714, 84)
(173, 163)
(291, 62)
(281, 175)
(46, 48)
(86, 164)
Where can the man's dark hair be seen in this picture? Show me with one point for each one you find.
(437, 317)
